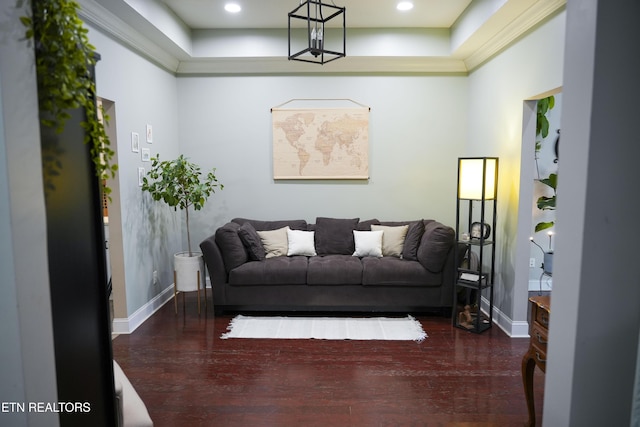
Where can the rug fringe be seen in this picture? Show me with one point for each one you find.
(233, 323)
(418, 327)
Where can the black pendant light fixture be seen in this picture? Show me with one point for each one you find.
(317, 45)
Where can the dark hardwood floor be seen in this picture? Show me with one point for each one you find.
(188, 376)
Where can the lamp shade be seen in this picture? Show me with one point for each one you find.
(477, 173)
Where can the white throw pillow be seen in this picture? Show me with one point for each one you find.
(301, 243)
(368, 243)
(274, 242)
(393, 239)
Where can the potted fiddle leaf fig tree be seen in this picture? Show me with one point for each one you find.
(181, 184)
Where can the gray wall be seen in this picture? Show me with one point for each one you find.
(143, 93)
(497, 90)
(417, 130)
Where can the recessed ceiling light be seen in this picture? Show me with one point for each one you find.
(405, 5)
(232, 7)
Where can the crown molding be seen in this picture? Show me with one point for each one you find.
(93, 13)
(184, 64)
(352, 64)
(515, 29)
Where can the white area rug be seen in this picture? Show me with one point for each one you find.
(326, 328)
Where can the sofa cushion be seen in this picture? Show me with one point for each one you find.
(294, 224)
(251, 241)
(412, 239)
(392, 239)
(436, 242)
(274, 242)
(395, 271)
(334, 270)
(231, 247)
(301, 243)
(271, 271)
(368, 243)
(334, 236)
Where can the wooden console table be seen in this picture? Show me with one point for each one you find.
(537, 353)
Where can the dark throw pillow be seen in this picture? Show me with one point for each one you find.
(436, 242)
(231, 247)
(334, 236)
(251, 241)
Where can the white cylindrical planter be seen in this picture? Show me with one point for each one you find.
(187, 269)
(188, 273)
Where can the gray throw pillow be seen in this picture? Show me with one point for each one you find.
(366, 225)
(435, 245)
(231, 247)
(412, 241)
(334, 236)
(251, 241)
(259, 225)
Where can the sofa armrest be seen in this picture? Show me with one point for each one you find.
(449, 277)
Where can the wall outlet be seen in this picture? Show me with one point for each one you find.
(532, 262)
(155, 277)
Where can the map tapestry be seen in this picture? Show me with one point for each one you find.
(321, 143)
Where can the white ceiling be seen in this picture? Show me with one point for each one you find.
(206, 14)
(200, 37)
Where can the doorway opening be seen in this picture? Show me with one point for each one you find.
(113, 226)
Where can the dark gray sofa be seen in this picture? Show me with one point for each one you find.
(419, 280)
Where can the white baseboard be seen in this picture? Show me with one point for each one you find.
(514, 329)
(547, 284)
(129, 324)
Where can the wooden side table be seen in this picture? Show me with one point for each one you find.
(537, 353)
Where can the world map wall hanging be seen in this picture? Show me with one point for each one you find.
(320, 139)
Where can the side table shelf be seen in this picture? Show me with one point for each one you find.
(476, 209)
(471, 285)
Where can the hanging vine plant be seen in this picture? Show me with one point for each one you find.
(64, 64)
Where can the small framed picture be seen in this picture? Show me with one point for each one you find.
(149, 134)
(146, 155)
(141, 173)
(135, 142)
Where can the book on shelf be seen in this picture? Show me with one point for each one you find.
(472, 277)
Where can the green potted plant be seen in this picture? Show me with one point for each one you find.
(542, 130)
(181, 184)
(545, 202)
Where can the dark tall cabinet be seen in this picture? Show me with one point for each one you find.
(78, 278)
